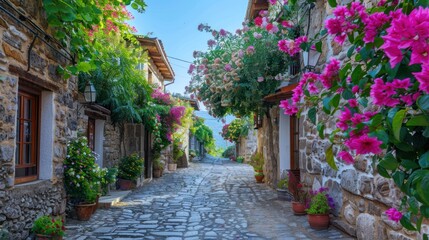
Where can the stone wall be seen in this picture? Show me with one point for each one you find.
(268, 144)
(111, 144)
(248, 145)
(361, 194)
(20, 204)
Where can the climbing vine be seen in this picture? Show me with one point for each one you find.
(74, 23)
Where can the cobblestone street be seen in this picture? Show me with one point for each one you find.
(210, 200)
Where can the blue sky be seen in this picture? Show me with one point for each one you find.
(175, 23)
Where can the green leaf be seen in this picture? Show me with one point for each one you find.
(389, 162)
(363, 102)
(397, 123)
(84, 66)
(406, 223)
(424, 210)
(376, 120)
(326, 105)
(343, 71)
(425, 236)
(409, 164)
(351, 51)
(357, 73)
(422, 190)
(419, 120)
(375, 71)
(423, 3)
(424, 160)
(332, 3)
(319, 46)
(312, 115)
(398, 178)
(414, 205)
(382, 171)
(330, 158)
(347, 94)
(321, 130)
(335, 101)
(423, 103)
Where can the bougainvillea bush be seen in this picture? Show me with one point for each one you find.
(241, 68)
(235, 130)
(378, 97)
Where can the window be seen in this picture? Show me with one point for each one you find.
(27, 137)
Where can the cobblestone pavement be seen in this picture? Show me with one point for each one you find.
(209, 200)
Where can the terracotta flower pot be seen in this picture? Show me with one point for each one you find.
(157, 173)
(96, 204)
(298, 208)
(125, 184)
(172, 167)
(318, 221)
(259, 178)
(84, 211)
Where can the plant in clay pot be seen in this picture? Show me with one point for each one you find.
(259, 176)
(299, 195)
(158, 167)
(47, 227)
(130, 168)
(318, 212)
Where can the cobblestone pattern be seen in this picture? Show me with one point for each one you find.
(205, 201)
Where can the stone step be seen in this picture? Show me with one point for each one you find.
(113, 198)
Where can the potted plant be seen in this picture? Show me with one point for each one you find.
(318, 211)
(240, 159)
(108, 177)
(47, 227)
(129, 169)
(282, 190)
(158, 166)
(259, 176)
(177, 154)
(299, 195)
(257, 162)
(81, 177)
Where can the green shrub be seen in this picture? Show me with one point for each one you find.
(283, 183)
(229, 152)
(130, 167)
(257, 161)
(47, 225)
(319, 204)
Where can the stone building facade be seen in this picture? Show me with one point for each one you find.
(247, 145)
(37, 117)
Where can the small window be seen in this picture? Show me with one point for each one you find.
(27, 138)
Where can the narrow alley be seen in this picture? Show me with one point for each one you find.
(214, 199)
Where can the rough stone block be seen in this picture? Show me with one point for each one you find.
(349, 181)
(13, 53)
(365, 226)
(6, 153)
(398, 236)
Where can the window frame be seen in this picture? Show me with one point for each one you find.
(25, 92)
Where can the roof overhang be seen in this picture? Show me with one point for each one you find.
(158, 56)
(282, 94)
(254, 7)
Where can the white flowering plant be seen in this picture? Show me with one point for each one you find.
(81, 174)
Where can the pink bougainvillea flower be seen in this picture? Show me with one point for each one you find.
(272, 2)
(346, 157)
(257, 35)
(250, 50)
(372, 25)
(260, 79)
(408, 32)
(191, 68)
(330, 72)
(287, 24)
(211, 43)
(228, 67)
(258, 21)
(393, 214)
(291, 47)
(288, 108)
(423, 78)
(222, 32)
(353, 103)
(364, 144)
(355, 89)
